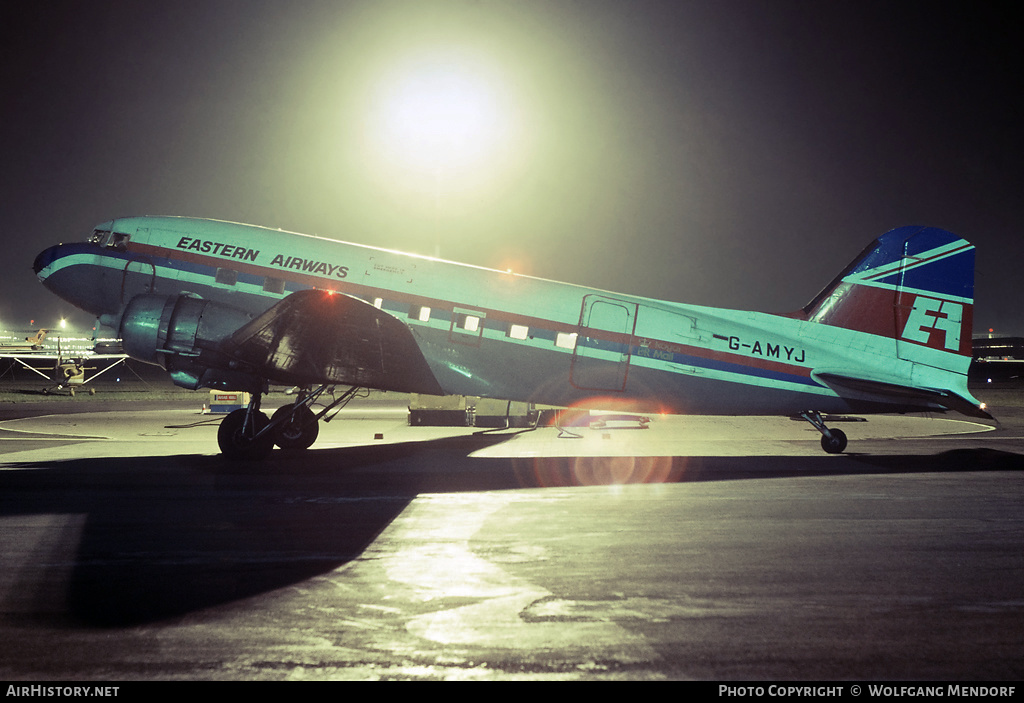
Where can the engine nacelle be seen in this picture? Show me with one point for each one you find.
(182, 334)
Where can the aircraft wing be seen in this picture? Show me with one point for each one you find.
(315, 336)
(891, 392)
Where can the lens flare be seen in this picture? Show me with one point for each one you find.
(556, 472)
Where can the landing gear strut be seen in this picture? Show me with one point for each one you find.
(833, 441)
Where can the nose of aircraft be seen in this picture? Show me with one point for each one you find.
(70, 271)
(44, 259)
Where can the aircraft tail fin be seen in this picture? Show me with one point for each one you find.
(912, 284)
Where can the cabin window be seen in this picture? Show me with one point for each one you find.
(273, 285)
(378, 303)
(226, 277)
(467, 326)
(566, 340)
(420, 312)
(518, 331)
(470, 323)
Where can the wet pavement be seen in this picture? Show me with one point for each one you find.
(694, 549)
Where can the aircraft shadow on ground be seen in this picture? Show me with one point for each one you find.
(165, 536)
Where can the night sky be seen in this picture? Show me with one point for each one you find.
(735, 153)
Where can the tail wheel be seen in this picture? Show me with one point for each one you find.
(237, 442)
(298, 429)
(834, 444)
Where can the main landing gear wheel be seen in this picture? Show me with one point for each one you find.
(834, 444)
(237, 441)
(298, 427)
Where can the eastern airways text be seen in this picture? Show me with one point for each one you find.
(288, 263)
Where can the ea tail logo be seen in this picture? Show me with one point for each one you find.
(929, 315)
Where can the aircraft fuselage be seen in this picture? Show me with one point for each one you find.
(499, 334)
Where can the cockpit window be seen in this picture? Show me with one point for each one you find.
(118, 241)
(98, 236)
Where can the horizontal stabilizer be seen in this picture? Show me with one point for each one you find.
(925, 398)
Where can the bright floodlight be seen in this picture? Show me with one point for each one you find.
(440, 125)
(441, 117)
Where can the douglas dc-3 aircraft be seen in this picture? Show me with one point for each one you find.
(232, 306)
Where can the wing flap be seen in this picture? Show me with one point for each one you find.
(315, 336)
